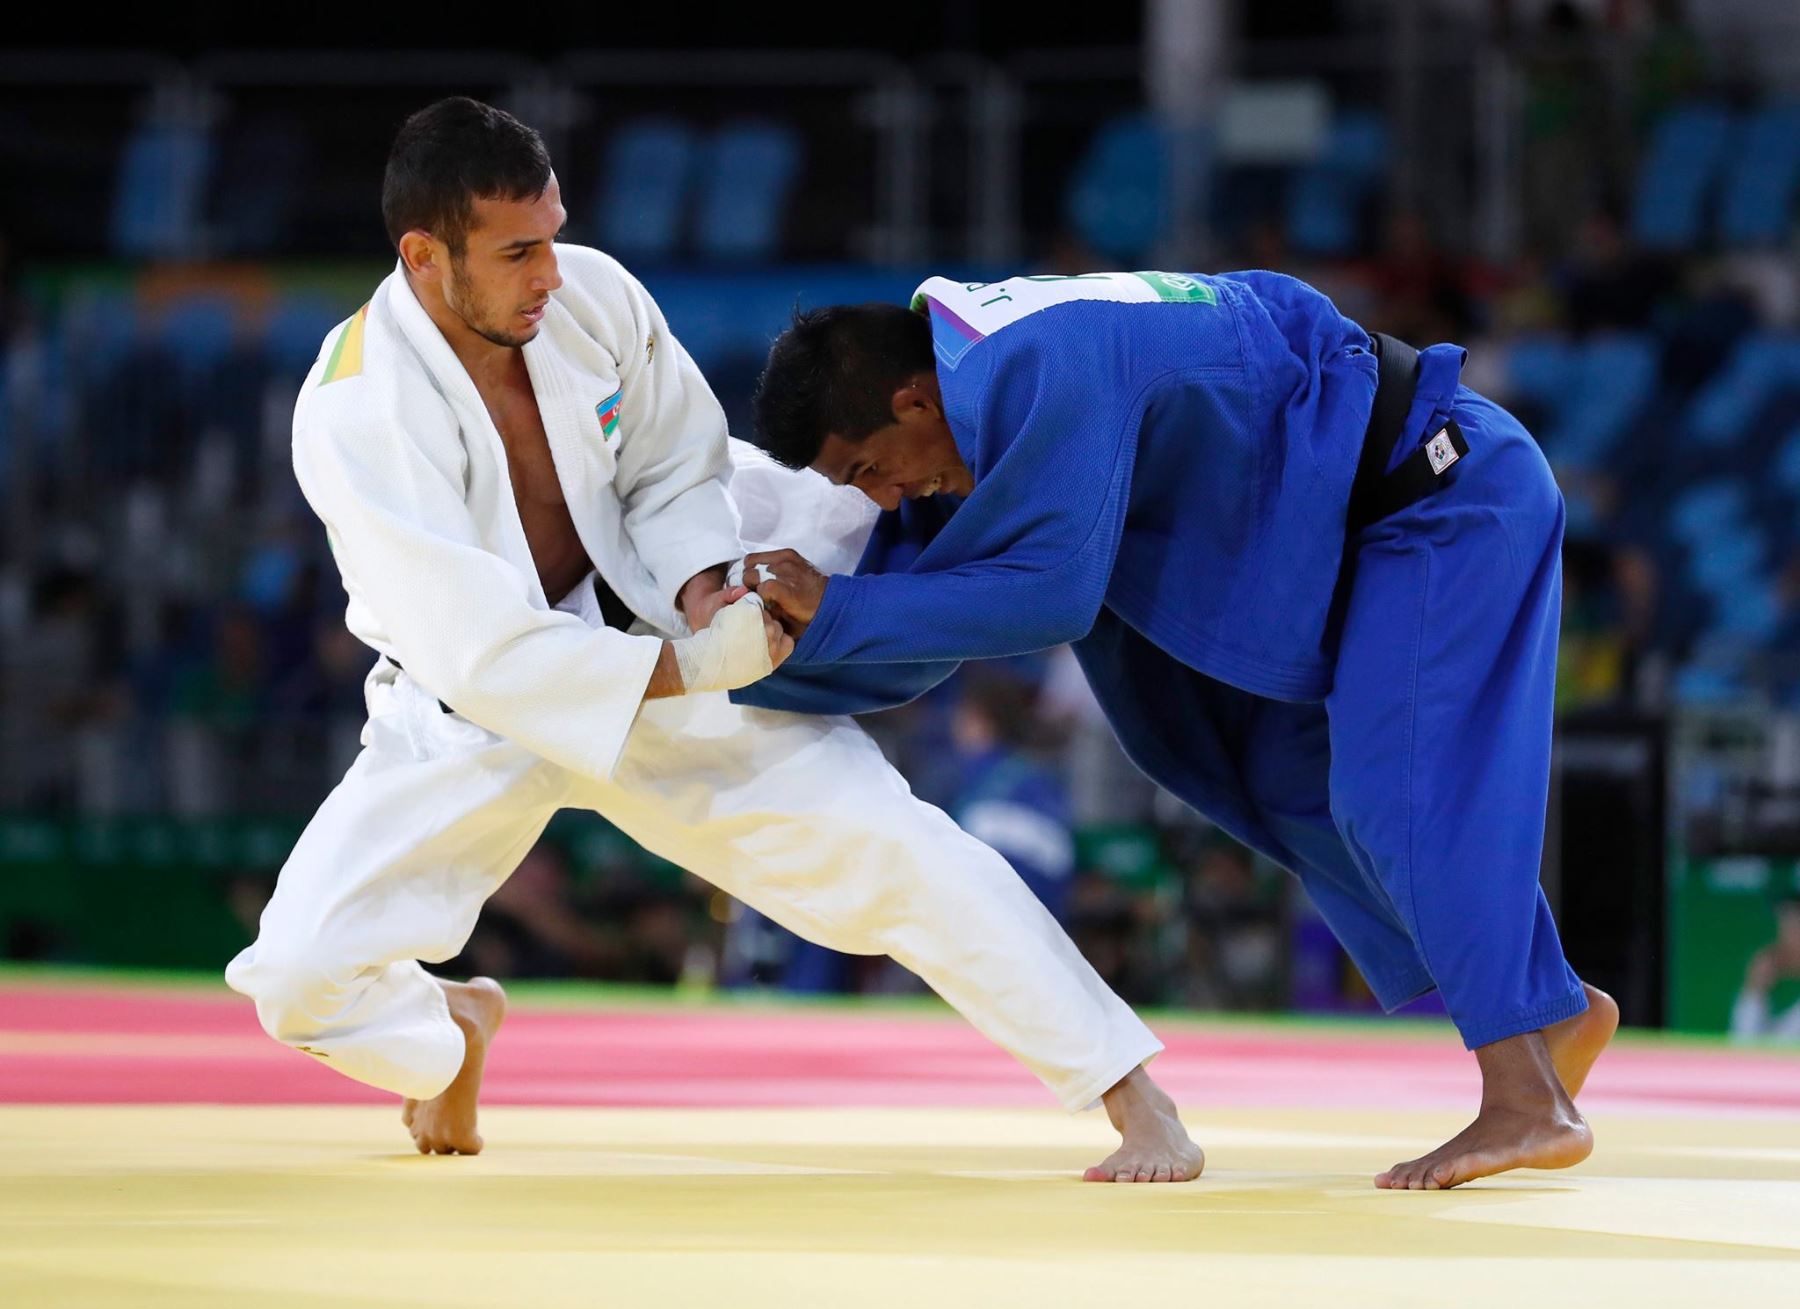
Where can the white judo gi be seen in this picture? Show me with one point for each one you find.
(799, 817)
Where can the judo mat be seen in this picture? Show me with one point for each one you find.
(157, 1149)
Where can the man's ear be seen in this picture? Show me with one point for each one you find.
(914, 397)
(421, 255)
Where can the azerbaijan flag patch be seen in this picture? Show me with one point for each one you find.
(608, 410)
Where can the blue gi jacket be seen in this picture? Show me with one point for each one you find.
(1175, 450)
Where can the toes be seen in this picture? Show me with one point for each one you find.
(1124, 1173)
(1096, 1174)
(1163, 1173)
(1409, 1176)
(1442, 1177)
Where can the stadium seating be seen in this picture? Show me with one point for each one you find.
(747, 179)
(1118, 200)
(1758, 204)
(643, 189)
(1687, 155)
(1326, 199)
(157, 203)
(1763, 366)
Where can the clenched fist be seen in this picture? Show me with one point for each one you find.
(789, 585)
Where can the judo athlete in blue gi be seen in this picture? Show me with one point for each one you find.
(1313, 580)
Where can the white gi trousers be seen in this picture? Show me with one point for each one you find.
(799, 817)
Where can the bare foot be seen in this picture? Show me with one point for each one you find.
(446, 1123)
(1527, 1120)
(1156, 1147)
(1576, 1042)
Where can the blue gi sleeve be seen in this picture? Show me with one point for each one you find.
(1024, 563)
(843, 688)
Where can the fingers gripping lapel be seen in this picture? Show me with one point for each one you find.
(732, 652)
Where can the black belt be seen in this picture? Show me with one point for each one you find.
(614, 612)
(1376, 493)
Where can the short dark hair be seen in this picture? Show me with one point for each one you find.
(835, 370)
(450, 154)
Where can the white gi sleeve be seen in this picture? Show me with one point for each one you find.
(460, 618)
(672, 461)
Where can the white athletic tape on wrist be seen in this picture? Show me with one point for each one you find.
(730, 653)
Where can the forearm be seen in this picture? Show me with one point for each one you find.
(665, 678)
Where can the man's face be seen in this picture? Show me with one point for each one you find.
(501, 281)
(913, 456)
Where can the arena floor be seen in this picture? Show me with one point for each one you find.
(155, 1149)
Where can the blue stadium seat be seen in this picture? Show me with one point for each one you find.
(1716, 681)
(1118, 198)
(197, 332)
(746, 182)
(1688, 153)
(1758, 203)
(162, 180)
(1787, 463)
(1708, 507)
(642, 193)
(1326, 199)
(1726, 560)
(1749, 611)
(1542, 368)
(1762, 366)
(98, 330)
(1613, 379)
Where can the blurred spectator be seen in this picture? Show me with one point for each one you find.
(55, 684)
(532, 927)
(1778, 961)
(1419, 290)
(225, 686)
(1003, 796)
(1236, 946)
(1565, 105)
(1608, 285)
(1671, 64)
(1608, 606)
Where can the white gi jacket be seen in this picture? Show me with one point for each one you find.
(396, 453)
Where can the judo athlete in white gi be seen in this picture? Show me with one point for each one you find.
(504, 419)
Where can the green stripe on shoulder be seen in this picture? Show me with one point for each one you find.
(347, 355)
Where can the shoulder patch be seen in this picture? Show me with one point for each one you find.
(347, 355)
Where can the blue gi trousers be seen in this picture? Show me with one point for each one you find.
(1411, 802)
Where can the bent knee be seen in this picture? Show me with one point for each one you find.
(296, 1002)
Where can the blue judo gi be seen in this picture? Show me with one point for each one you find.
(1163, 467)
